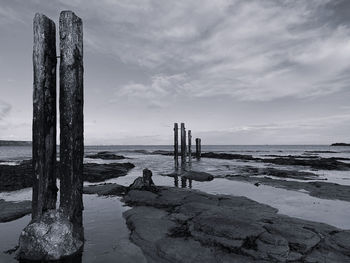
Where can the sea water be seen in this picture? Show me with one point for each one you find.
(107, 236)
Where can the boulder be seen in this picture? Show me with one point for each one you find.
(144, 182)
(50, 238)
(198, 176)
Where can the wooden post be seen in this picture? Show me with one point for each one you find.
(200, 147)
(198, 155)
(44, 116)
(71, 118)
(189, 146)
(183, 143)
(176, 144)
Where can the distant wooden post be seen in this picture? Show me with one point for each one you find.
(176, 144)
(189, 146)
(71, 118)
(198, 148)
(183, 143)
(44, 116)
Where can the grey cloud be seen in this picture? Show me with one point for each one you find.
(5, 109)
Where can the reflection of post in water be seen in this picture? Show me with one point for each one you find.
(176, 181)
(183, 182)
(190, 183)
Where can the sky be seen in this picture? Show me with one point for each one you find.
(234, 71)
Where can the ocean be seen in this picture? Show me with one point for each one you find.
(107, 236)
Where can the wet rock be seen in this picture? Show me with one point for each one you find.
(322, 190)
(105, 189)
(192, 175)
(315, 163)
(228, 156)
(340, 144)
(151, 233)
(105, 155)
(94, 172)
(198, 176)
(144, 182)
(319, 163)
(50, 238)
(281, 173)
(180, 225)
(13, 210)
(147, 177)
(15, 177)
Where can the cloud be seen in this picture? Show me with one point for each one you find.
(8, 16)
(249, 50)
(303, 124)
(162, 90)
(5, 109)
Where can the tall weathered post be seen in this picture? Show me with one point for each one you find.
(189, 146)
(44, 116)
(71, 118)
(183, 143)
(176, 144)
(198, 148)
(64, 234)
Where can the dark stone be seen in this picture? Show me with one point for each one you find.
(105, 189)
(178, 225)
(51, 237)
(94, 172)
(147, 177)
(315, 163)
(294, 174)
(191, 175)
(145, 182)
(105, 156)
(13, 210)
(197, 176)
(44, 115)
(15, 177)
(318, 189)
(340, 144)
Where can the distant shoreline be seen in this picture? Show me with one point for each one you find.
(15, 143)
(340, 144)
(29, 143)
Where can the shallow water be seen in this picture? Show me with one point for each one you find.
(107, 236)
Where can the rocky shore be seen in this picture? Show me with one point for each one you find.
(182, 225)
(280, 173)
(324, 190)
(314, 162)
(15, 177)
(105, 155)
(13, 210)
